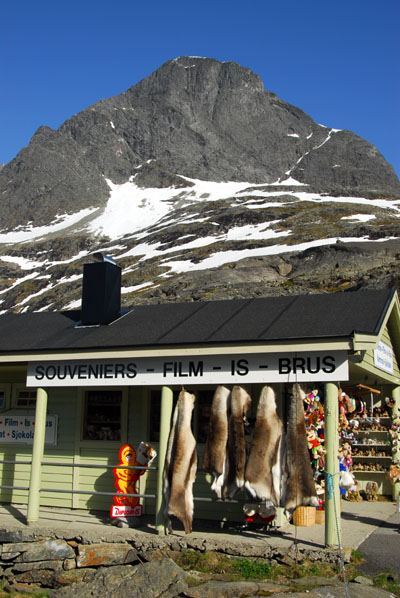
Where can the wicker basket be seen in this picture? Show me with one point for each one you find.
(304, 516)
(320, 516)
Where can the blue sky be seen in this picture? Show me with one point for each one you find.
(338, 60)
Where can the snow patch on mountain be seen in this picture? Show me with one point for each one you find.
(360, 217)
(29, 233)
(226, 257)
(131, 210)
(133, 218)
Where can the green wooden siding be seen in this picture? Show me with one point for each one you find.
(99, 479)
(60, 403)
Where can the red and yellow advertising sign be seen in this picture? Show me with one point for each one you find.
(126, 479)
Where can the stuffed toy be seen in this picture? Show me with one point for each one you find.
(353, 495)
(390, 402)
(318, 452)
(313, 399)
(394, 473)
(320, 489)
(343, 423)
(346, 481)
(342, 403)
(259, 513)
(346, 454)
(370, 491)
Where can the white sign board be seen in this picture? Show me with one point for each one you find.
(20, 429)
(219, 369)
(383, 357)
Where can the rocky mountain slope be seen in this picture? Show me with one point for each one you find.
(201, 185)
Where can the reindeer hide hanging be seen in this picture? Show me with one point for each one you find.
(300, 486)
(264, 467)
(240, 402)
(215, 454)
(181, 464)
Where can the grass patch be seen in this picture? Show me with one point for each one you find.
(234, 568)
(204, 562)
(356, 557)
(257, 569)
(388, 581)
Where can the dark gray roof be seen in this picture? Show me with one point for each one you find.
(232, 321)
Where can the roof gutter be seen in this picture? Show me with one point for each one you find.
(308, 345)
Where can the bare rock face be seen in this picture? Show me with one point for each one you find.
(196, 117)
(161, 578)
(48, 177)
(347, 164)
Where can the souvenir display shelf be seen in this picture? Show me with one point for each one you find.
(373, 467)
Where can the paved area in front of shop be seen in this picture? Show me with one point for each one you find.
(358, 521)
(381, 550)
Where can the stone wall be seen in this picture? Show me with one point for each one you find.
(32, 560)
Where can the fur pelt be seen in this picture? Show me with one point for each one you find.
(240, 402)
(264, 467)
(181, 464)
(300, 486)
(215, 453)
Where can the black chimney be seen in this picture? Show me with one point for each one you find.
(101, 292)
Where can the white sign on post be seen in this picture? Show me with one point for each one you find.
(313, 366)
(383, 357)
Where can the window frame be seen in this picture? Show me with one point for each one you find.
(100, 443)
(196, 415)
(16, 389)
(5, 388)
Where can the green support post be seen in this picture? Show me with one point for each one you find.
(167, 400)
(396, 453)
(37, 456)
(332, 493)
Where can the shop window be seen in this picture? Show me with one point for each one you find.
(203, 411)
(24, 397)
(201, 414)
(4, 396)
(102, 415)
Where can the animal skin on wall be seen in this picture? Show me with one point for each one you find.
(300, 487)
(240, 403)
(215, 454)
(264, 467)
(181, 464)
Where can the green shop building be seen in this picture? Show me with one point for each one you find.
(91, 380)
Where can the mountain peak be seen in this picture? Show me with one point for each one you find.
(195, 117)
(200, 184)
(197, 85)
